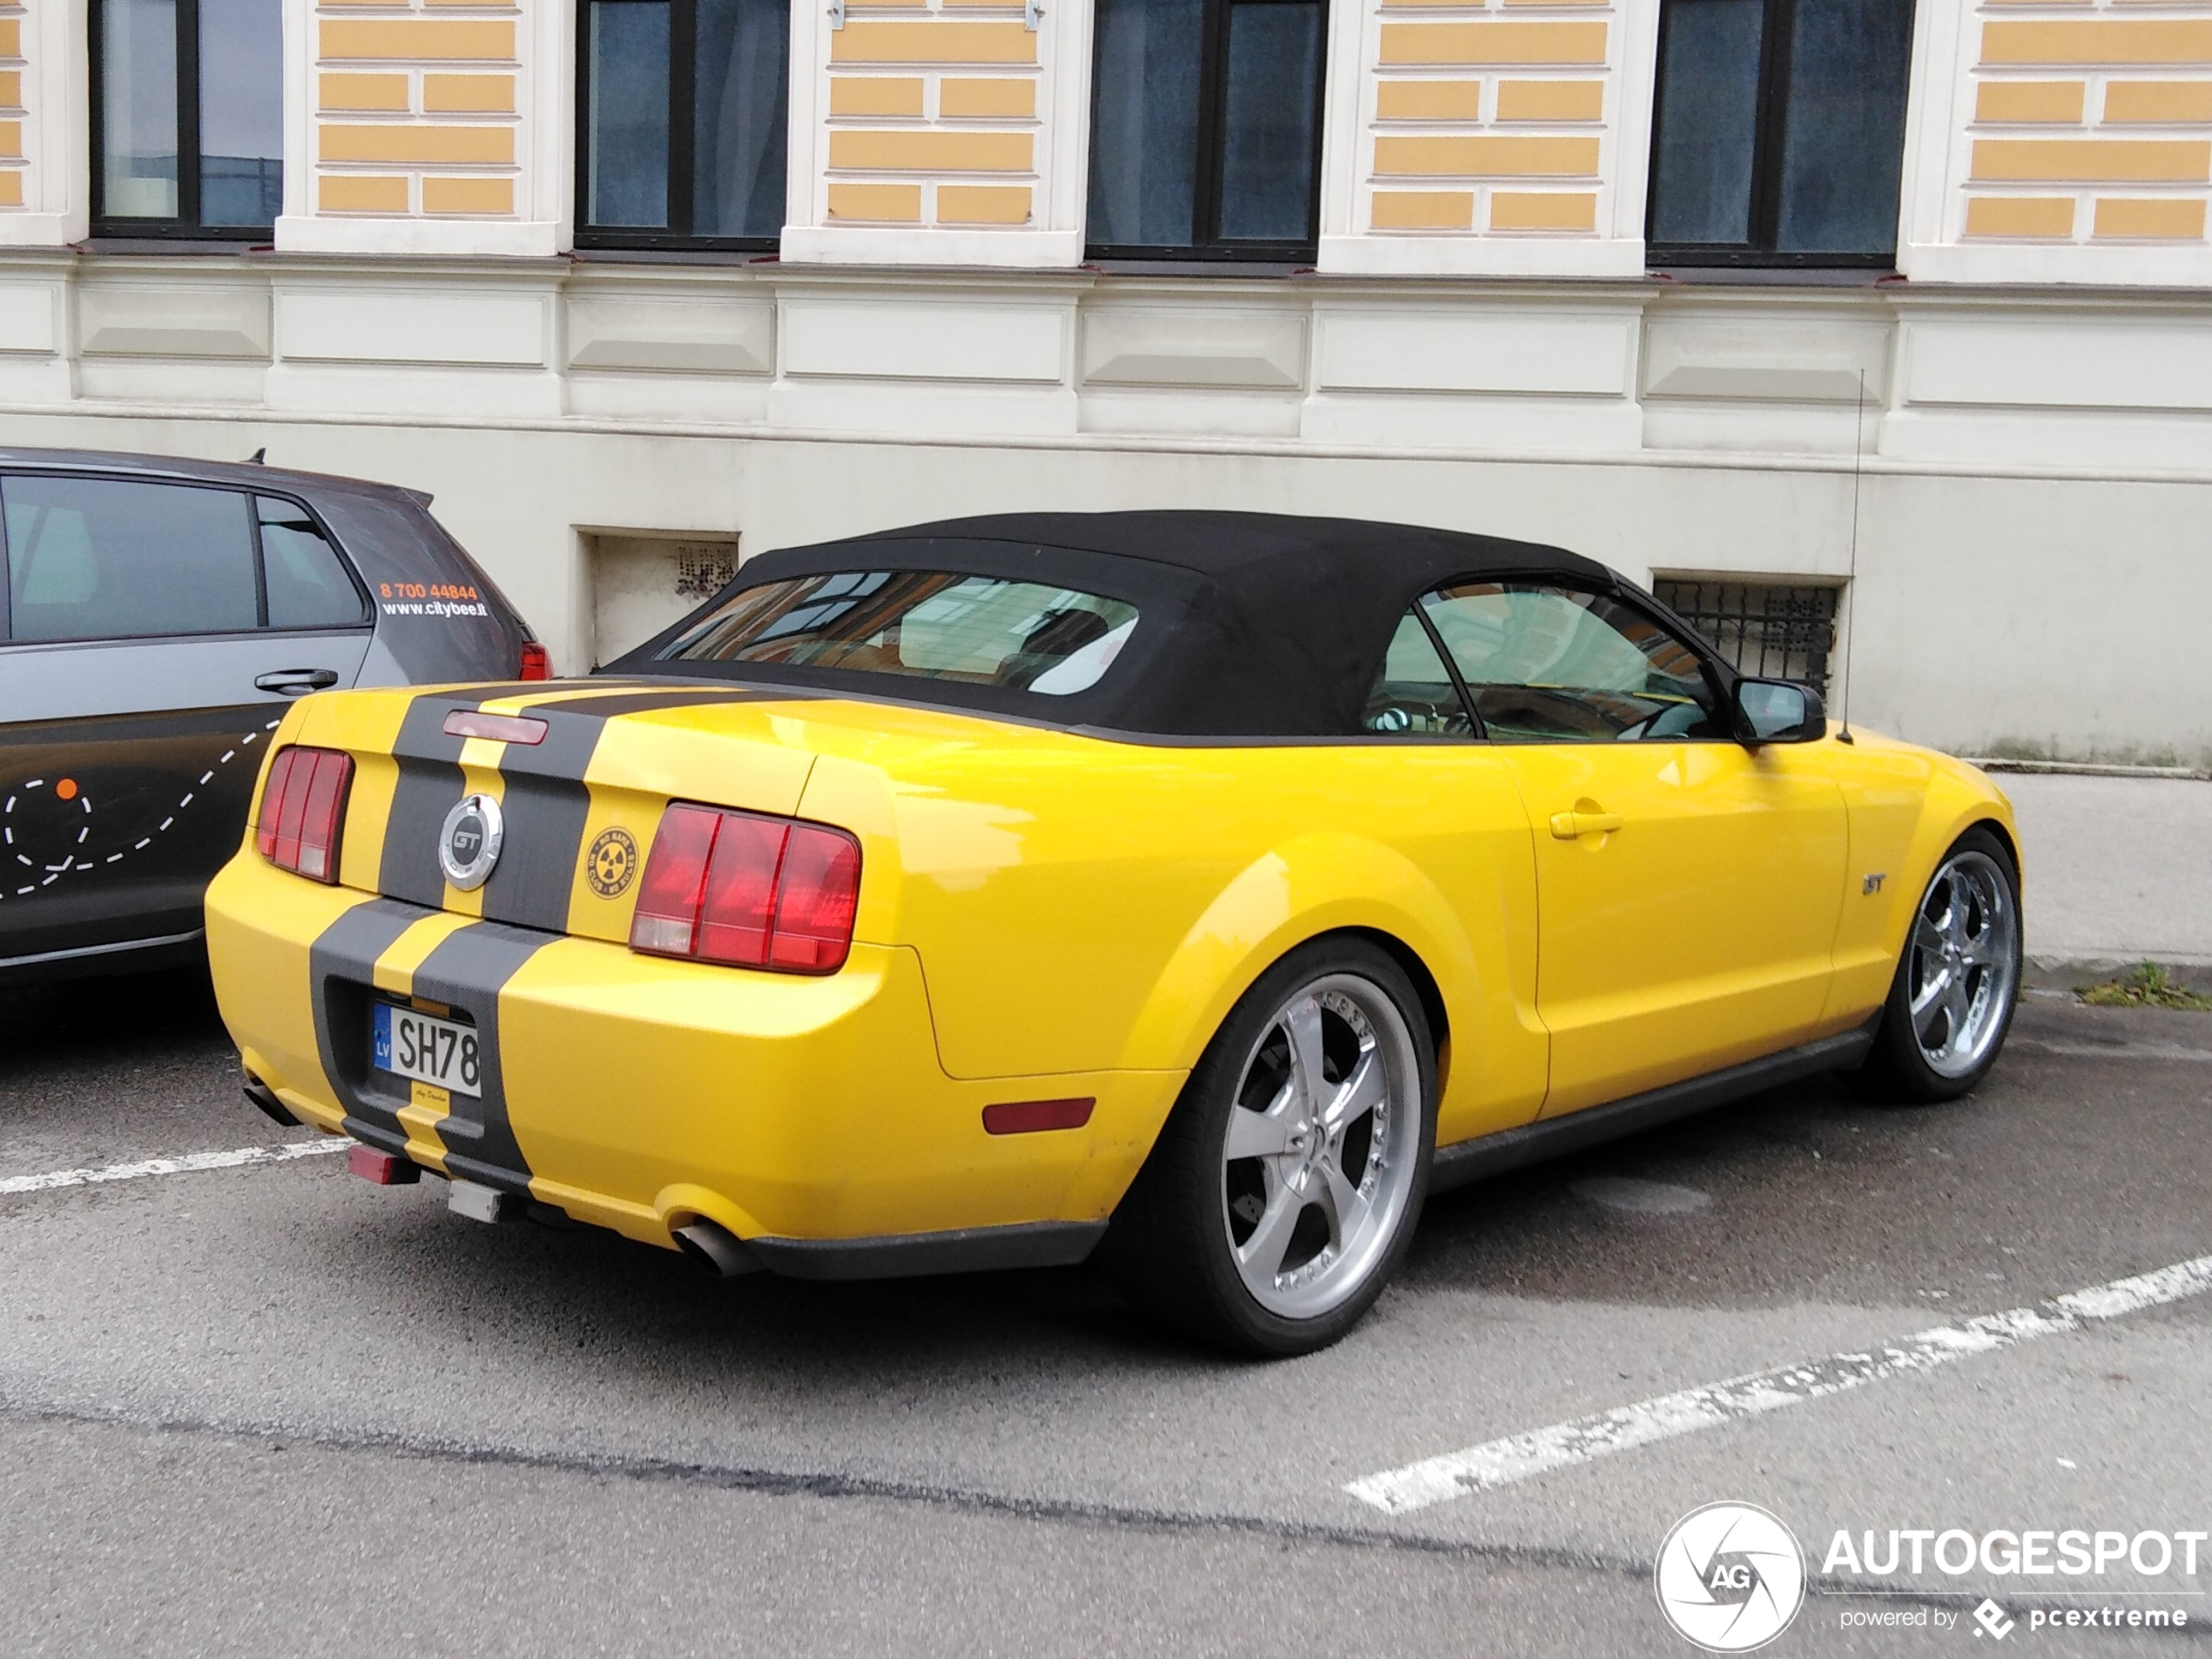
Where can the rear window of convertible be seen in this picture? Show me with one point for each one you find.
(931, 625)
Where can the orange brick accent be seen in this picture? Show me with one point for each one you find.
(358, 194)
(468, 94)
(1551, 100)
(11, 140)
(932, 42)
(361, 92)
(897, 203)
(484, 198)
(2162, 217)
(11, 88)
(875, 94)
(1513, 210)
(1001, 98)
(10, 36)
(982, 204)
(1424, 210)
(925, 122)
(10, 189)
(1494, 42)
(2150, 160)
(2032, 216)
(1480, 156)
(2102, 40)
(2030, 101)
(2168, 103)
(1429, 101)
(399, 77)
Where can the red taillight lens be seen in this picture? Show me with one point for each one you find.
(303, 810)
(749, 890)
(535, 663)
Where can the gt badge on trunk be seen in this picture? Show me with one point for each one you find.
(468, 845)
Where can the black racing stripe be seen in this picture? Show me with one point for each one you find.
(431, 782)
(544, 803)
(466, 971)
(342, 964)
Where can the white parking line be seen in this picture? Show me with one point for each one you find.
(1519, 1457)
(185, 1163)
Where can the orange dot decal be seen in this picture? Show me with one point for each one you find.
(66, 789)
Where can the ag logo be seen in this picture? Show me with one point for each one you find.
(1730, 1577)
(611, 864)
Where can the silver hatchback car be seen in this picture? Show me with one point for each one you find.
(157, 616)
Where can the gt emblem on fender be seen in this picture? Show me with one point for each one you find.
(611, 864)
(468, 845)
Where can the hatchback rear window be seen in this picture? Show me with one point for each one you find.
(930, 625)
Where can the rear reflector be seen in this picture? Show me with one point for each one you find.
(303, 810)
(499, 728)
(748, 890)
(534, 664)
(385, 1169)
(1027, 1116)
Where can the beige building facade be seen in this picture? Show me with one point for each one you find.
(1984, 445)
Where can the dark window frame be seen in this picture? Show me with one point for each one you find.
(1207, 245)
(683, 144)
(1770, 130)
(186, 226)
(365, 623)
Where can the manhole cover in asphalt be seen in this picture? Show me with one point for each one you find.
(1636, 1198)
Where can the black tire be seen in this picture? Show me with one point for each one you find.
(1900, 1069)
(1172, 1246)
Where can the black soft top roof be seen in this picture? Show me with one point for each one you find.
(1250, 624)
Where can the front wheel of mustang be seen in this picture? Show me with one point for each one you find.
(1951, 1003)
(1283, 1191)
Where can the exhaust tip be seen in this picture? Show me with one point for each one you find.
(264, 1099)
(717, 1249)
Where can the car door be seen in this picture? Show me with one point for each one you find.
(1688, 886)
(151, 635)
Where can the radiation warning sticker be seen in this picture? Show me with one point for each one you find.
(611, 864)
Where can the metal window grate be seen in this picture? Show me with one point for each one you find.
(1773, 629)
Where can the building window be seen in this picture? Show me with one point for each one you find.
(187, 116)
(1206, 129)
(1779, 133)
(683, 113)
(1768, 629)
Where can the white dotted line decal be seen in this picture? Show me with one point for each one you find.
(66, 789)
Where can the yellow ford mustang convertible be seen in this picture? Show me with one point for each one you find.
(1198, 889)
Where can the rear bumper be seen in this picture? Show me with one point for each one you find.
(809, 1115)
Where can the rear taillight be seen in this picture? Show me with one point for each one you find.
(303, 810)
(749, 890)
(534, 664)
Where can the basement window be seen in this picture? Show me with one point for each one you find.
(1766, 627)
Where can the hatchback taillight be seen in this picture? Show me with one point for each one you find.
(534, 664)
(749, 890)
(303, 810)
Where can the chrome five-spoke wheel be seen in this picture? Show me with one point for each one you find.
(1322, 1146)
(1962, 963)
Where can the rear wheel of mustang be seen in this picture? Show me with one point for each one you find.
(1283, 1192)
(1951, 1003)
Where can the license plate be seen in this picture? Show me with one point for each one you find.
(409, 1043)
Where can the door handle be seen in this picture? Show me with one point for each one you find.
(296, 682)
(1569, 826)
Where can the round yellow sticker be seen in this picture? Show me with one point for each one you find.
(611, 864)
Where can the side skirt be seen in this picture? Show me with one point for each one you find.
(1489, 1155)
(969, 1249)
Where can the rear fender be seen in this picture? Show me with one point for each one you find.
(1299, 890)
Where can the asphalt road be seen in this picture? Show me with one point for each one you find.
(270, 1409)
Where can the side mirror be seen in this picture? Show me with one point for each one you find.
(1779, 712)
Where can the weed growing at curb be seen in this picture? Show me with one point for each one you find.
(2149, 986)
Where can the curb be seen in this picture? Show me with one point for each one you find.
(2071, 973)
(2085, 768)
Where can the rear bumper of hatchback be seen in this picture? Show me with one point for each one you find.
(809, 1116)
